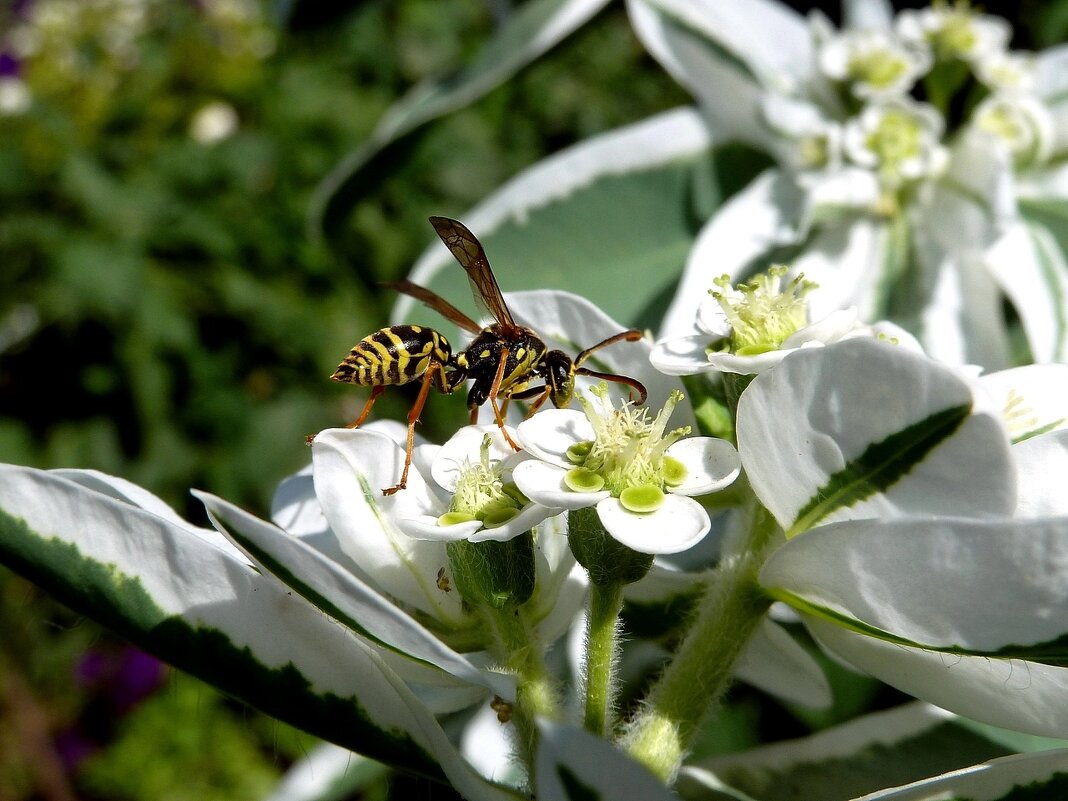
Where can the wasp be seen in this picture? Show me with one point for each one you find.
(504, 361)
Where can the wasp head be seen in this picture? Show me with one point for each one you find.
(559, 378)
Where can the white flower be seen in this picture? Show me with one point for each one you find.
(15, 97)
(1006, 72)
(471, 496)
(1021, 122)
(806, 139)
(638, 475)
(899, 139)
(954, 32)
(213, 123)
(754, 327)
(873, 63)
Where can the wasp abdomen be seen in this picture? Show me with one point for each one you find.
(391, 356)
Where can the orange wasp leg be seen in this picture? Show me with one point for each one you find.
(375, 392)
(495, 388)
(413, 418)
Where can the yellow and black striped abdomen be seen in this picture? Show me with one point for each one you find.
(394, 355)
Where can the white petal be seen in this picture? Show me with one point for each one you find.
(465, 447)
(528, 517)
(678, 524)
(712, 464)
(1041, 465)
(682, 355)
(351, 468)
(832, 328)
(426, 527)
(548, 434)
(544, 484)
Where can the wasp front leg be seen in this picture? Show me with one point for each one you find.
(494, 391)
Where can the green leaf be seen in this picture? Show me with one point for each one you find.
(530, 32)
(623, 204)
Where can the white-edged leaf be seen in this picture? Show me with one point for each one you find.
(726, 90)
(530, 32)
(618, 204)
(867, 15)
(776, 663)
(1011, 693)
(879, 750)
(769, 37)
(573, 765)
(1041, 465)
(1039, 775)
(757, 219)
(864, 428)
(572, 323)
(993, 587)
(351, 467)
(343, 596)
(1030, 267)
(207, 611)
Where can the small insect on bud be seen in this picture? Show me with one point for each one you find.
(502, 708)
(443, 581)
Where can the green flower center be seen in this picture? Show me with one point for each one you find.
(880, 69)
(627, 455)
(763, 313)
(897, 138)
(481, 494)
(956, 36)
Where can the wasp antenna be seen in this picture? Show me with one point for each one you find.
(633, 383)
(630, 335)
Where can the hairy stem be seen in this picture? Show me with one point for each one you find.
(731, 610)
(602, 645)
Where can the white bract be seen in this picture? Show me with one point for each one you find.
(639, 475)
(915, 549)
(751, 328)
(920, 165)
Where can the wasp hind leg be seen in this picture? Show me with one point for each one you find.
(413, 418)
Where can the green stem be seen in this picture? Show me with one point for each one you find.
(536, 691)
(602, 645)
(730, 612)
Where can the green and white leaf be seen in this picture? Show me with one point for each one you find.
(573, 765)
(204, 609)
(531, 31)
(1042, 775)
(343, 596)
(864, 428)
(991, 587)
(625, 203)
(883, 749)
(1029, 264)
(1010, 693)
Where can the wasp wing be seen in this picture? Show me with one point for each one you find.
(435, 302)
(468, 251)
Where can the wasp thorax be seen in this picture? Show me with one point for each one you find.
(627, 455)
(482, 494)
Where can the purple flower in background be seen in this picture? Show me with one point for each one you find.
(122, 678)
(9, 65)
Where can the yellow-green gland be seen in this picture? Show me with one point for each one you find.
(642, 500)
(580, 479)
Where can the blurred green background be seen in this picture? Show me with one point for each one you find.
(167, 316)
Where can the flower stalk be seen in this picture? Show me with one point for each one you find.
(731, 609)
(602, 654)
